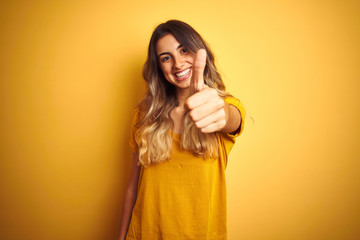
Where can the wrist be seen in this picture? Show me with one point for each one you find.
(227, 107)
(227, 114)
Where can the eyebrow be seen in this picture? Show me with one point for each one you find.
(180, 46)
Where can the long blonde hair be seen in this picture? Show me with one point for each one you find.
(152, 134)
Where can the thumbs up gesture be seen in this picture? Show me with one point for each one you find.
(206, 108)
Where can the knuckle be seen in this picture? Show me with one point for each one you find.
(221, 102)
(222, 113)
(192, 115)
(188, 103)
(213, 92)
(222, 123)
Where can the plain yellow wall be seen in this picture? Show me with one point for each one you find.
(71, 76)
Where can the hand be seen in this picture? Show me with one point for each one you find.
(208, 111)
(198, 67)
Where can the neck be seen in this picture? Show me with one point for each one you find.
(182, 95)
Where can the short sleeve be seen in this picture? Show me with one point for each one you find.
(227, 140)
(132, 141)
(236, 103)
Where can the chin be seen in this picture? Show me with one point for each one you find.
(185, 84)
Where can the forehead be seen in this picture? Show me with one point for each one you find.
(167, 43)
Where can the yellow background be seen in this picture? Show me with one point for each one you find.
(71, 76)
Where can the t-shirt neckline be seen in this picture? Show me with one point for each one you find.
(175, 135)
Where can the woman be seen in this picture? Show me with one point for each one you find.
(182, 133)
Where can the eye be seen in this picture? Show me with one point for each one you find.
(165, 59)
(183, 50)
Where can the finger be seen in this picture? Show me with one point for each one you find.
(214, 127)
(218, 116)
(202, 97)
(206, 109)
(197, 79)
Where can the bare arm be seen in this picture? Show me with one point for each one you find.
(130, 197)
(232, 117)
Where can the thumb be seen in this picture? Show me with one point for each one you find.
(197, 79)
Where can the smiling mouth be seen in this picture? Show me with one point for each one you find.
(183, 74)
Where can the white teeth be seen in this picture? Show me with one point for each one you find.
(183, 73)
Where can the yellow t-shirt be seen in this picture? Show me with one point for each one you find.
(185, 197)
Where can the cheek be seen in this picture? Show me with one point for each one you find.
(190, 59)
(165, 69)
(165, 72)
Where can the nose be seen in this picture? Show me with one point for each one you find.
(178, 62)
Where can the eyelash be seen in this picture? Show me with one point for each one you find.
(165, 58)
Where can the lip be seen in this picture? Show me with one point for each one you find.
(183, 77)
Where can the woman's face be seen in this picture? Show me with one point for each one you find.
(175, 61)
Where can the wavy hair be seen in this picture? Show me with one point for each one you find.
(152, 131)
